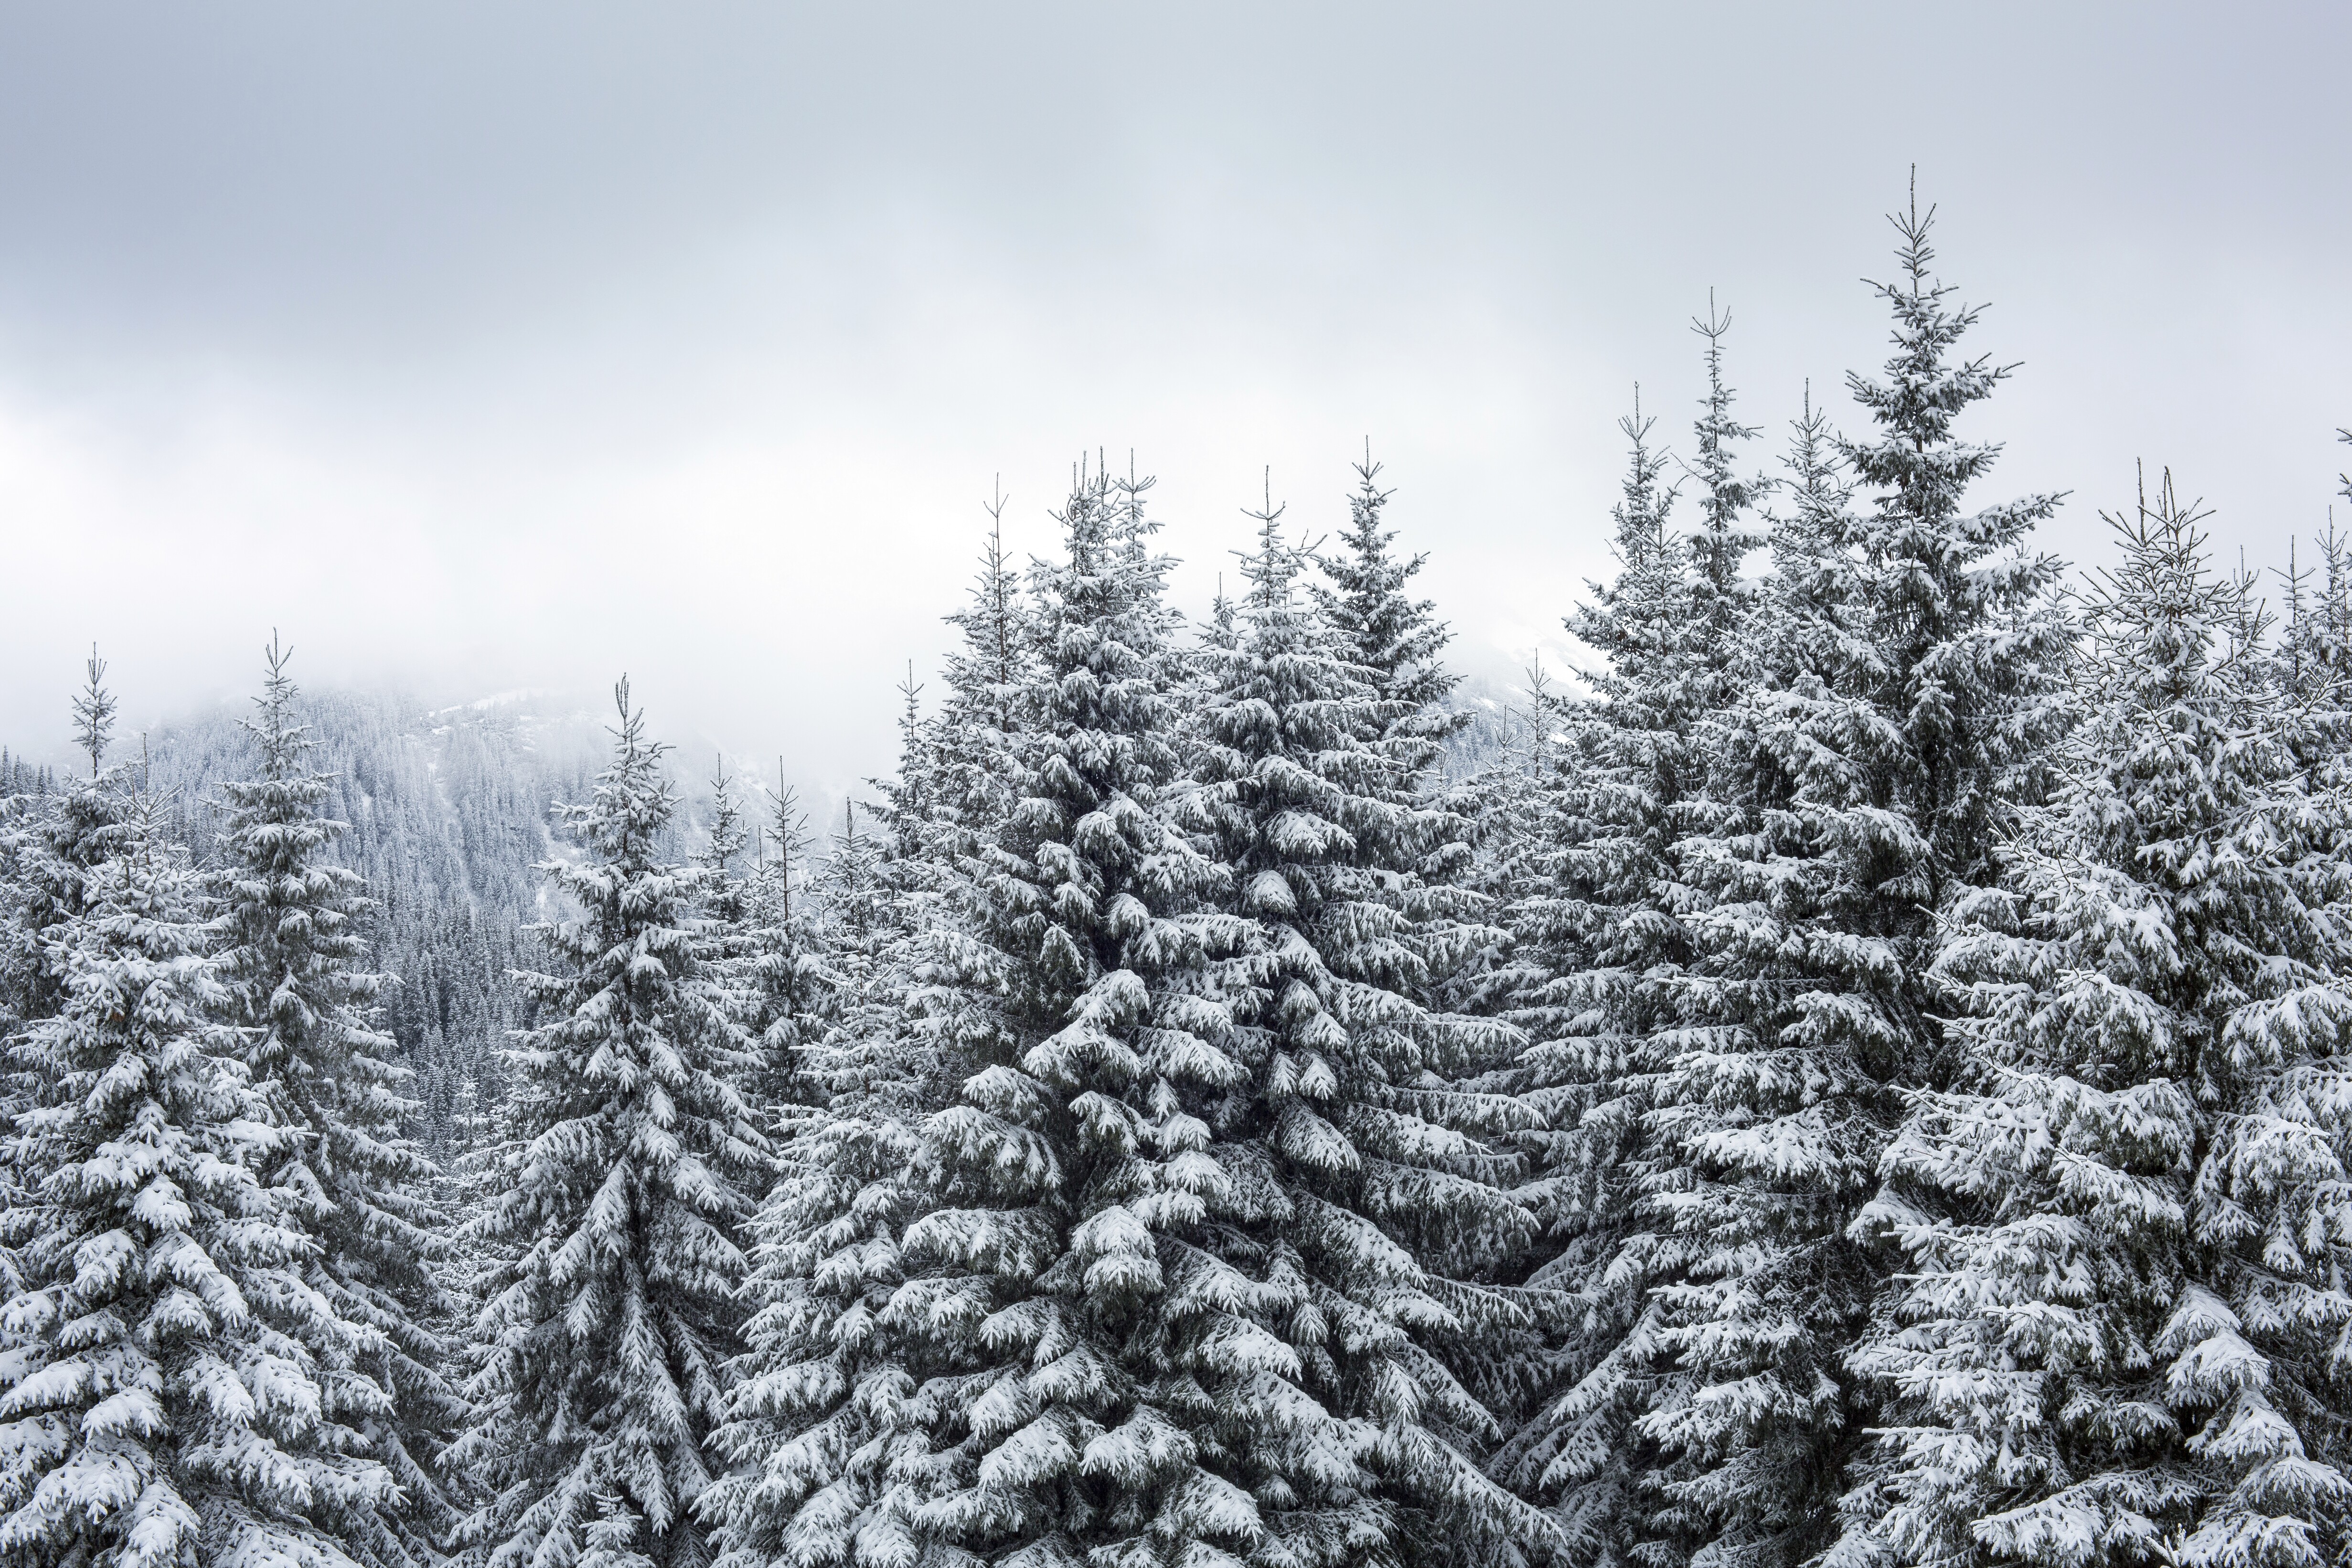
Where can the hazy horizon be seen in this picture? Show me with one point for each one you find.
(484, 350)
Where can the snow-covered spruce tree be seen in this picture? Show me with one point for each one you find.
(601, 1351)
(160, 1401)
(818, 1419)
(1056, 1278)
(764, 944)
(1832, 829)
(289, 959)
(958, 786)
(821, 1420)
(51, 842)
(1599, 943)
(783, 953)
(1360, 1188)
(1382, 629)
(2116, 1331)
(1727, 532)
(1396, 641)
(725, 841)
(1814, 659)
(1576, 863)
(974, 742)
(881, 904)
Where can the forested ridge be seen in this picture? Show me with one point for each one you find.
(1857, 1077)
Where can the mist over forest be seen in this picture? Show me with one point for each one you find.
(1855, 1073)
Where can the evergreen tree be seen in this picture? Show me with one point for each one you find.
(290, 963)
(1054, 1277)
(1814, 621)
(2124, 1225)
(877, 900)
(725, 842)
(820, 1418)
(1727, 503)
(1359, 1186)
(1831, 829)
(822, 1429)
(172, 1389)
(784, 950)
(1381, 627)
(54, 842)
(1395, 641)
(601, 1348)
(51, 842)
(1597, 939)
(972, 744)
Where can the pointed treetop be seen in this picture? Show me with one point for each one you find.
(1915, 252)
(93, 712)
(1640, 516)
(726, 834)
(1367, 600)
(631, 731)
(282, 741)
(910, 691)
(632, 800)
(997, 588)
(1273, 568)
(1921, 395)
(787, 825)
(1806, 543)
(785, 819)
(2161, 609)
(277, 655)
(1722, 543)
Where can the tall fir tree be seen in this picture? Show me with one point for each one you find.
(602, 1350)
(974, 741)
(1361, 1188)
(821, 1418)
(725, 841)
(785, 954)
(52, 843)
(1596, 918)
(1396, 644)
(1830, 834)
(289, 960)
(2124, 1225)
(1727, 504)
(1368, 605)
(1050, 1273)
(172, 1389)
(822, 1428)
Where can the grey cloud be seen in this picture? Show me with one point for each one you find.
(494, 346)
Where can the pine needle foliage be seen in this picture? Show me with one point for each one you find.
(290, 958)
(2112, 1337)
(174, 1387)
(1323, 1294)
(601, 1351)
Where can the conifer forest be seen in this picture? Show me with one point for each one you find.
(1859, 1076)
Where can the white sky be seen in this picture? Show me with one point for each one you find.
(488, 346)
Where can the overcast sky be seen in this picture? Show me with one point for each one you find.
(489, 346)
